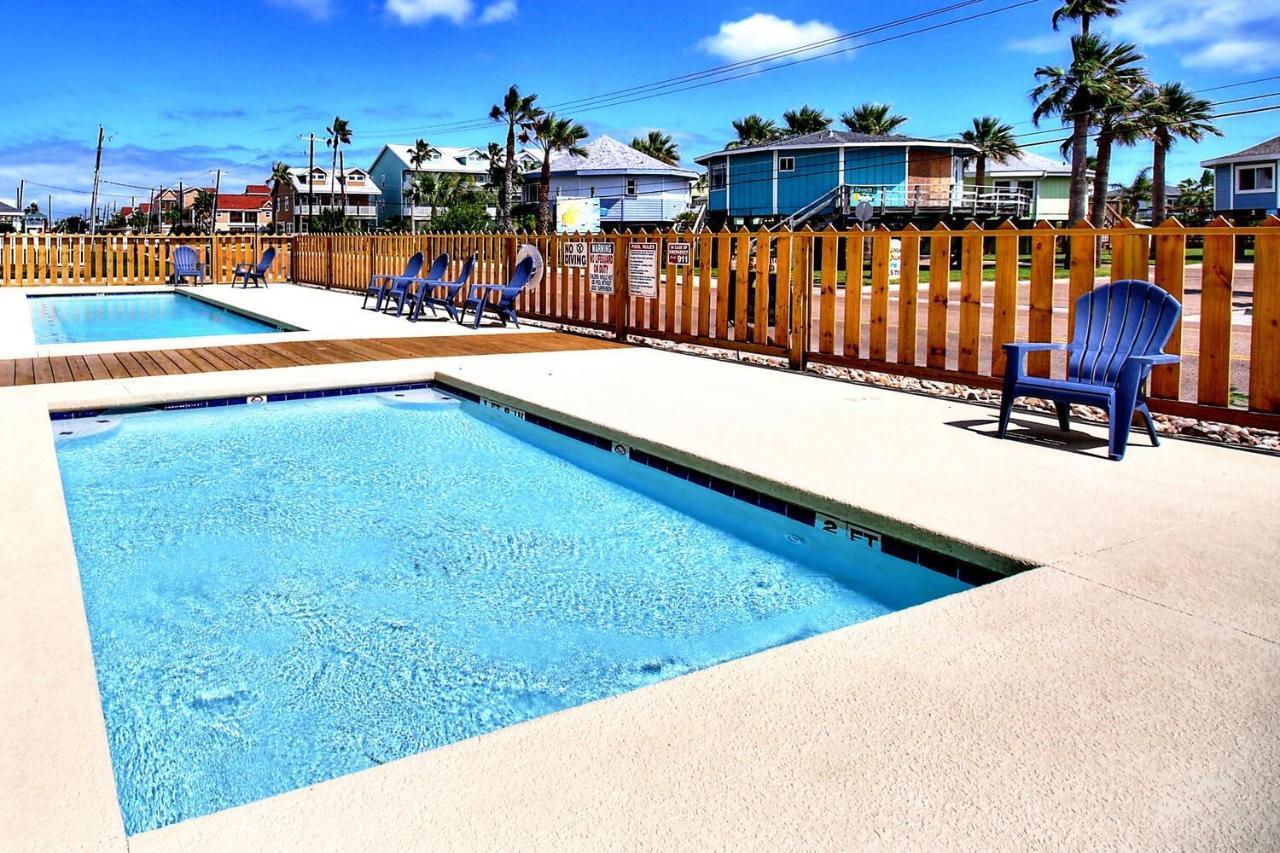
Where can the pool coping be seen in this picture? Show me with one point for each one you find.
(70, 768)
(327, 322)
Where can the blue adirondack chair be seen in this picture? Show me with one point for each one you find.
(440, 294)
(379, 284)
(186, 264)
(398, 293)
(527, 274)
(1120, 333)
(255, 273)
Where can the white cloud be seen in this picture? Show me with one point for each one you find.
(1237, 34)
(321, 10)
(458, 11)
(1042, 44)
(1237, 53)
(760, 34)
(499, 11)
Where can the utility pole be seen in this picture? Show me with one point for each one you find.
(180, 197)
(213, 214)
(21, 186)
(97, 167)
(311, 165)
(48, 212)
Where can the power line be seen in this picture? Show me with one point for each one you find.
(606, 101)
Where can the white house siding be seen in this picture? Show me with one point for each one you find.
(658, 198)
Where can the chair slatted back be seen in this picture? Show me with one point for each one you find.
(1114, 322)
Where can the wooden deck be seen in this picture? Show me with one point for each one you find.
(131, 365)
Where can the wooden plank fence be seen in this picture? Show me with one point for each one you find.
(935, 304)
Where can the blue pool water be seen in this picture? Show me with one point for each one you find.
(133, 316)
(284, 593)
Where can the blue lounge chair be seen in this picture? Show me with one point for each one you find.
(186, 264)
(398, 293)
(1120, 333)
(527, 274)
(379, 284)
(258, 274)
(426, 293)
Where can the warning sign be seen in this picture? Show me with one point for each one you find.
(678, 254)
(642, 270)
(601, 266)
(574, 254)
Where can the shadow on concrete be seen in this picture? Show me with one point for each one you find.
(1039, 433)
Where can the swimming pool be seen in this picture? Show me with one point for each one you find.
(134, 316)
(284, 593)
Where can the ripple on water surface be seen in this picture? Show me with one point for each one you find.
(282, 594)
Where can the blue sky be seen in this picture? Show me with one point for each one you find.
(184, 88)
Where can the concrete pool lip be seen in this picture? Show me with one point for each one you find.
(306, 313)
(1103, 699)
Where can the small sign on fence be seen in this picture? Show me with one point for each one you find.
(601, 267)
(678, 254)
(642, 270)
(574, 254)
(895, 259)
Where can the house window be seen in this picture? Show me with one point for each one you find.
(718, 176)
(786, 164)
(631, 187)
(1255, 178)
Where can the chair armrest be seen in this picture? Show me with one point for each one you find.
(1016, 356)
(1028, 346)
(1159, 358)
(471, 291)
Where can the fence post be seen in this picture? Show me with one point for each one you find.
(329, 250)
(621, 294)
(801, 297)
(1264, 351)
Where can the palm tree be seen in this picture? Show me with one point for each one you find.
(659, 146)
(1171, 112)
(552, 134)
(420, 153)
(516, 111)
(337, 135)
(873, 119)
(805, 120)
(1119, 123)
(1084, 11)
(1077, 93)
(754, 130)
(1131, 196)
(994, 140)
(1195, 199)
(280, 177)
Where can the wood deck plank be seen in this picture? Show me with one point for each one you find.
(60, 369)
(130, 365)
(97, 369)
(79, 368)
(114, 366)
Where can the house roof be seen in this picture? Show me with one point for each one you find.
(1269, 150)
(607, 155)
(257, 189)
(330, 185)
(242, 202)
(6, 208)
(1026, 164)
(447, 159)
(833, 138)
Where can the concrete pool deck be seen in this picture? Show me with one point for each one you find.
(1124, 691)
(315, 313)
